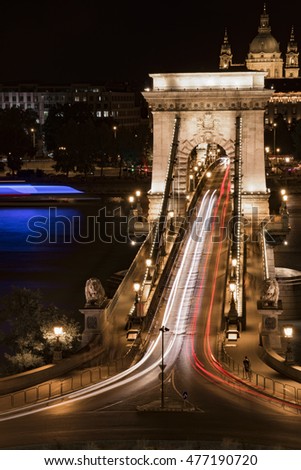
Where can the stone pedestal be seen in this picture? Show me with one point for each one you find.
(269, 322)
(95, 321)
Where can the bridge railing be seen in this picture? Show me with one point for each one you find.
(270, 387)
(76, 381)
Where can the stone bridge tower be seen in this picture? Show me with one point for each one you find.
(207, 105)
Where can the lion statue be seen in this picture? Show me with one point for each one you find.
(270, 292)
(94, 291)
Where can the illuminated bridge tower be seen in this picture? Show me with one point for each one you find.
(207, 106)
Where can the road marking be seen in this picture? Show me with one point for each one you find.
(109, 406)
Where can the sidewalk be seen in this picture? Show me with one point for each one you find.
(249, 342)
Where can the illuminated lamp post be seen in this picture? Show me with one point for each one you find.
(191, 182)
(283, 207)
(163, 330)
(57, 353)
(171, 226)
(232, 289)
(288, 334)
(148, 263)
(274, 137)
(233, 264)
(278, 160)
(33, 132)
(267, 161)
(232, 331)
(131, 200)
(139, 208)
(136, 290)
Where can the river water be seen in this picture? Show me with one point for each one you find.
(56, 249)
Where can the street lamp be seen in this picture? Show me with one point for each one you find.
(139, 209)
(136, 289)
(33, 132)
(171, 226)
(288, 334)
(283, 207)
(191, 182)
(266, 154)
(232, 332)
(163, 330)
(232, 289)
(148, 263)
(115, 131)
(233, 271)
(131, 201)
(274, 138)
(57, 353)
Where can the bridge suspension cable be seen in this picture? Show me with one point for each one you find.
(237, 252)
(158, 245)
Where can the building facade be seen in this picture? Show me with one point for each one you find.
(282, 71)
(118, 102)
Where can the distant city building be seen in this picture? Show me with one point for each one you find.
(282, 75)
(118, 102)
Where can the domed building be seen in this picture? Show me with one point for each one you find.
(264, 53)
(282, 75)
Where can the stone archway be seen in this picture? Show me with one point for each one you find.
(184, 151)
(208, 105)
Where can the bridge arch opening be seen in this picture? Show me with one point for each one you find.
(195, 156)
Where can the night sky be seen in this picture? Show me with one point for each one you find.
(94, 41)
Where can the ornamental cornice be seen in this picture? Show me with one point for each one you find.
(222, 102)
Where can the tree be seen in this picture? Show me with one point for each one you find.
(15, 135)
(30, 338)
(71, 133)
(79, 140)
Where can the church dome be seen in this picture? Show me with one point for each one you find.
(264, 42)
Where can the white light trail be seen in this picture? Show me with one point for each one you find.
(175, 316)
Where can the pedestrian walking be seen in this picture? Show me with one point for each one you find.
(247, 367)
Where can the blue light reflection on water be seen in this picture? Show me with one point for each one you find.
(59, 265)
(28, 189)
(19, 228)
